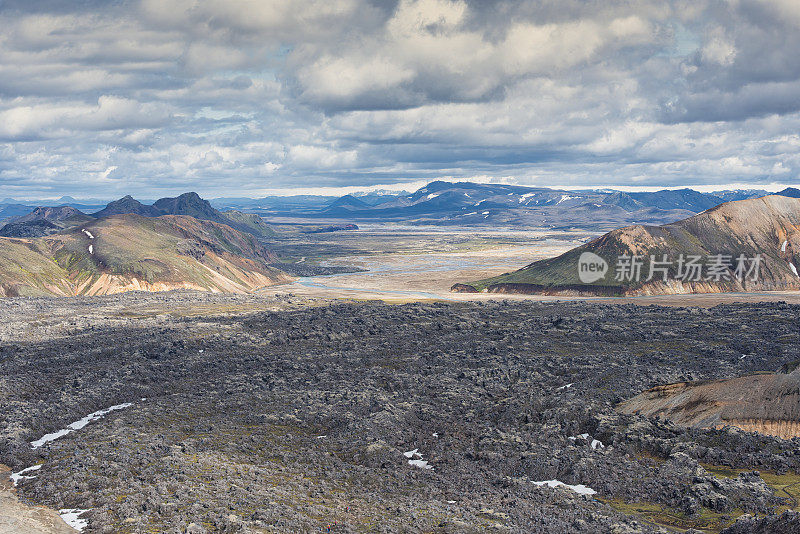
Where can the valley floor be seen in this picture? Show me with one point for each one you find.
(265, 414)
(411, 263)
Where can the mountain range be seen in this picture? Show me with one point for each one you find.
(471, 204)
(438, 203)
(714, 251)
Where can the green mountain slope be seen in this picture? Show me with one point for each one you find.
(131, 252)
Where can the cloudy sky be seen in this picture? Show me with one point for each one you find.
(246, 97)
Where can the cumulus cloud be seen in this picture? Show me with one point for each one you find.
(247, 96)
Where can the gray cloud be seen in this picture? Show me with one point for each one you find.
(239, 96)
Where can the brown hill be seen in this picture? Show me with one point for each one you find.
(131, 252)
(768, 227)
(765, 403)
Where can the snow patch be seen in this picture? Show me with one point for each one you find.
(578, 488)
(594, 444)
(567, 386)
(794, 269)
(71, 516)
(422, 464)
(418, 461)
(77, 425)
(91, 249)
(20, 475)
(88, 233)
(565, 198)
(432, 196)
(783, 247)
(525, 197)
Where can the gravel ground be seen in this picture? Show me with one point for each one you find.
(296, 417)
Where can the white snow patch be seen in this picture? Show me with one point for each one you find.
(566, 386)
(485, 213)
(435, 434)
(77, 425)
(422, 464)
(794, 269)
(91, 249)
(88, 233)
(20, 475)
(418, 461)
(578, 488)
(71, 516)
(432, 195)
(783, 247)
(525, 197)
(565, 198)
(595, 443)
(301, 260)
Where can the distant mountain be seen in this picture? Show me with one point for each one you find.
(623, 200)
(188, 204)
(767, 226)
(348, 202)
(126, 205)
(740, 194)
(130, 252)
(9, 211)
(683, 199)
(472, 204)
(792, 192)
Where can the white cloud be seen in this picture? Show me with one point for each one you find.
(256, 95)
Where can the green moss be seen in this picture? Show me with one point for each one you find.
(706, 521)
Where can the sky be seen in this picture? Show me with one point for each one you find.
(252, 97)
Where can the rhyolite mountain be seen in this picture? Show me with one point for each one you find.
(767, 226)
(766, 403)
(130, 252)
